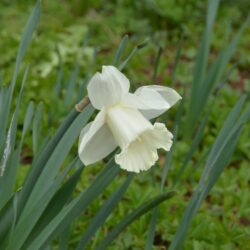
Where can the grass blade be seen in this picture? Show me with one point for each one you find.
(62, 196)
(133, 52)
(26, 38)
(166, 168)
(217, 70)
(218, 158)
(202, 57)
(36, 128)
(120, 50)
(151, 231)
(195, 144)
(6, 218)
(176, 60)
(200, 194)
(25, 224)
(7, 170)
(39, 163)
(211, 81)
(104, 212)
(59, 80)
(59, 153)
(141, 210)
(76, 207)
(157, 63)
(64, 238)
(71, 85)
(27, 120)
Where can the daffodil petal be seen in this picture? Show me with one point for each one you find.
(152, 100)
(169, 94)
(148, 101)
(96, 140)
(107, 87)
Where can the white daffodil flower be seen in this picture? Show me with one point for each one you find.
(123, 121)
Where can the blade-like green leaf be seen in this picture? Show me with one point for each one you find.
(135, 214)
(59, 154)
(202, 59)
(8, 169)
(3, 98)
(151, 230)
(27, 120)
(14, 215)
(59, 81)
(217, 70)
(40, 162)
(168, 161)
(223, 159)
(133, 52)
(9, 177)
(166, 168)
(60, 199)
(195, 143)
(6, 219)
(176, 60)
(36, 127)
(120, 50)
(64, 238)
(71, 85)
(202, 191)
(82, 90)
(245, 115)
(42, 187)
(25, 224)
(76, 207)
(218, 158)
(227, 128)
(157, 63)
(104, 212)
(211, 81)
(26, 38)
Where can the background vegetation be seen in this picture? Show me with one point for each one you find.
(74, 38)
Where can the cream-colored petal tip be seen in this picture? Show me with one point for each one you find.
(129, 166)
(162, 136)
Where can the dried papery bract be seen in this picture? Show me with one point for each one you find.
(82, 104)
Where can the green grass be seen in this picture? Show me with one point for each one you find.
(223, 220)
